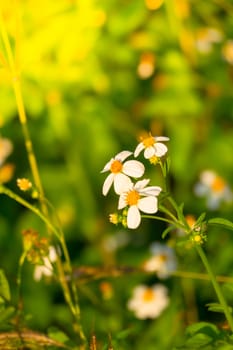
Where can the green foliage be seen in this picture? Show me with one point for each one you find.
(94, 76)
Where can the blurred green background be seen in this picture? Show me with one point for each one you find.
(95, 75)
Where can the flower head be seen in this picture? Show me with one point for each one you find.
(24, 184)
(138, 198)
(163, 260)
(148, 302)
(152, 146)
(120, 172)
(47, 268)
(214, 188)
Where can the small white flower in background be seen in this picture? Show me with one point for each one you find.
(139, 198)
(152, 146)
(6, 148)
(120, 172)
(47, 268)
(148, 302)
(163, 261)
(214, 188)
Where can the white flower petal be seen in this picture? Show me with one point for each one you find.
(123, 155)
(122, 183)
(151, 191)
(149, 152)
(122, 203)
(133, 217)
(148, 205)
(133, 168)
(138, 149)
(201, 189)
(161, 138)
(160, 149)
(139, 186)
(107, 184)
(107, 166)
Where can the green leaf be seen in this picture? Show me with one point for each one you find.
(198, 340)
(167, 230)
(200, 219)
(56, 334)
(4, 287)
(202, 327)
(6, 314)
(221, 222)
(215, 307)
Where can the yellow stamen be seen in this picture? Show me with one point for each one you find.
(163, 257)
(24, 184)
(218, 184)
(148, 295)
(154, 160)
(197, 239)
(148, 141)
(116, 166)
(132, 197)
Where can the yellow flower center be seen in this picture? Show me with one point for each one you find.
(218, 184)
(197, 238)
(132, 197)
(163, 257)
(148, 141)
(148, 295)
(116, 166)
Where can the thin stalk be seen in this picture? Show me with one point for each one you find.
(29, 206)
(216, 286)
(22, 114)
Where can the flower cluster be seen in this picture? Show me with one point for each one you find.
(134, 197)
(39, 253)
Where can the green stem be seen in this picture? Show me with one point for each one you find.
(216, 286)
(27, 205)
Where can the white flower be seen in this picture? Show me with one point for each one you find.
(47, 268)
(152, 146)
(214, 188)
(139, 198)
(6, 148)
(148, 302)
(163, 261)
(120, 172)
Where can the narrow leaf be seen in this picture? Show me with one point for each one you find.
(4, 287)
(221, 222)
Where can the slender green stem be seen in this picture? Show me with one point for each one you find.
(29, 206)
(21, 111)
(216, 286)
(176, 224)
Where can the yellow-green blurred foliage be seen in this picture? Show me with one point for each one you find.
(94, 76)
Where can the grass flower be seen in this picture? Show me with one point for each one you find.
(24, 184)
(152, 146)
(148, 302)
(47, 268)
(214, 188)
(120, 172)
(138, 198)
(163, 260)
